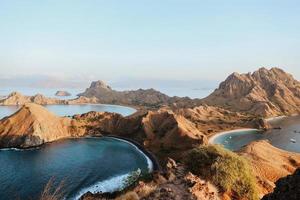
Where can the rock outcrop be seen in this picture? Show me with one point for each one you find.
(158, 131)
(270, 163)
(263, 93)
(147, 98)
(34, 125)
(62, 93)
(286, 188)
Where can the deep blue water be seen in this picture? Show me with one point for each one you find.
(70, 110)
(80, 163)
(287, 138)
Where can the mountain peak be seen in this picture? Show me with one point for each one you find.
(100, 84)
(33, 125)
(265, 92)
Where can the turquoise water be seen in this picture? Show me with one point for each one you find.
(286, 138)
(236, 140)
(96, 164)
(70, 110)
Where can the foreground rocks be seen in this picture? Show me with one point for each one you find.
(286, 188)
(262, 93)
(175, 183)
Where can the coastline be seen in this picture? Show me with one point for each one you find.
(212, 138)
(155, 164)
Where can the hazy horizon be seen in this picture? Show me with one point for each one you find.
(72, 43)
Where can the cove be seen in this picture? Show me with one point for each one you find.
(287, 137)
(85, 164)
(70, 110)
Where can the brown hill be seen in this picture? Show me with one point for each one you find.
(34, 125)
(264, 93)
(270, 163)
(140, 97)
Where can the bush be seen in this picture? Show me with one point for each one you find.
(132, 178)
(227, 170)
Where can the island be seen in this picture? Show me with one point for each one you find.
(61, 93)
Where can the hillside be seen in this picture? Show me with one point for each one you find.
(34, 125)
(270, 163)
(142, 97)
(264, 93)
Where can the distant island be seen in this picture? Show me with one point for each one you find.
(61, 93)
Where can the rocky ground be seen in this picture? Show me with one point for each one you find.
(286, 188)
(175, 183)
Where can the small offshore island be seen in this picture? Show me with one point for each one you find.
(61, 93)
(174, 132)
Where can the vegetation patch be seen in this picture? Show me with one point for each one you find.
(229, 171)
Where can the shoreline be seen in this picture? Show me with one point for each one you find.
(212, 138)
(155, 164)
(269, 120)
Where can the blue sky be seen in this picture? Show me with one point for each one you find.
(147, 39)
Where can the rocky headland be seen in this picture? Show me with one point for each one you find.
(34, 125)
(16, 98)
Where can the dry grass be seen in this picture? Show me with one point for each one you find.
(52, 193)
(225, 169)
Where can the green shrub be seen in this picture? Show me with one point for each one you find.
(227, 170)
(132, 178)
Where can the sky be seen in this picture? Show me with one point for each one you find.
(183, 40)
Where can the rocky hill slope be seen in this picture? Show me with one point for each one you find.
(286, 188)
(163, 131)
(34, 125)
(263, 93)
(270, 163)
(147, 98)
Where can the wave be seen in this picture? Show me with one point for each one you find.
(17, 149)
(110, 185)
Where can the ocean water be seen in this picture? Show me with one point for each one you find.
(78, 165)
(48, 92)
(286, 138)
(192, 92)
(70, 110)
